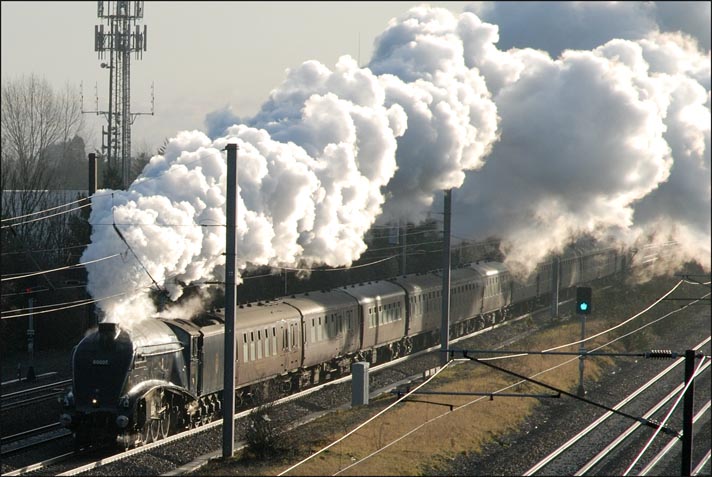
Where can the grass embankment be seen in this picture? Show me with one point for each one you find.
(433, 433)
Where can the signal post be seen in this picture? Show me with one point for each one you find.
(583, 308)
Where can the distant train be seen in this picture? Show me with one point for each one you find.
(140, 384)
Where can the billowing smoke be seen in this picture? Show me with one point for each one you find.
(317, 165)
(604, 134)
(611, 142)
(558, 26)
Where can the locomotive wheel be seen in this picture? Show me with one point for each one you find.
(165, 425)
(146, 433)
(155, 429)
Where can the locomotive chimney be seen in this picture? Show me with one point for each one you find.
(108, 330)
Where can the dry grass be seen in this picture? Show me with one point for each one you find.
(474, 422)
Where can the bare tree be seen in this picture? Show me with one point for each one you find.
(34, 117)
(37, 126)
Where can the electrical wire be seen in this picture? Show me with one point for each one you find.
(51, 208)
(46, 217)
(367, 421)
(519, 382)
(336, 269)
(618, 325)
(42, 290)
(145, 179)
(665, 419)
(45, 250)
(40, 307)
(58, 269)
(478, 399)
(87, 302)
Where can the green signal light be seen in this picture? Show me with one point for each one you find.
(583, 306)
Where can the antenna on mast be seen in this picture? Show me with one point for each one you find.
(121, 37)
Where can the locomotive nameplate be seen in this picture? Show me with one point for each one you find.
(100, 362)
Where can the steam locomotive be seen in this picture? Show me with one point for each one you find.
(139, 384)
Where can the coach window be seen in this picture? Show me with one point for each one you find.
(258, 344)
(266, 343)
(252, 345)
(274, 340)
(285, 343)
(294, 336)
(318, 330)
(246, 357)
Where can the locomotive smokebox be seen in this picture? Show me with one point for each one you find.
(108, 331)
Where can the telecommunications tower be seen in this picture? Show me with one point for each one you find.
(119, 37)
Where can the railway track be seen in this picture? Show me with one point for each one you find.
(66, 463)
(27, 397)
(114, 464)
(584, 453)
(21, 441)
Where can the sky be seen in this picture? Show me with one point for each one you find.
(550, 121)
(201, 56)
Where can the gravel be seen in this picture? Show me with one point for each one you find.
(555, 421)
(552, 423)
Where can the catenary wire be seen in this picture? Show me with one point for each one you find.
(46, 216)
(51, 208)
(517, 383)
(665, 419)
(483, 397)
(366, 422)
(58, 269)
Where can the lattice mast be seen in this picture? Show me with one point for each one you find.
(121, 37)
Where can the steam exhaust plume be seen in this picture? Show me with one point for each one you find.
(603, 136)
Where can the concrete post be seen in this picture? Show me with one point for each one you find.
(230, 304)
(359, 383)
(445, 321)
(555, 284)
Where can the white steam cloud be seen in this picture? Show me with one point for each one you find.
(607, 136)
(316, 165)
(611, 142)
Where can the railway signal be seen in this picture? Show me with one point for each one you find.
(583, 308)
(583, 300)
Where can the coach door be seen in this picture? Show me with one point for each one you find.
(290, 341)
